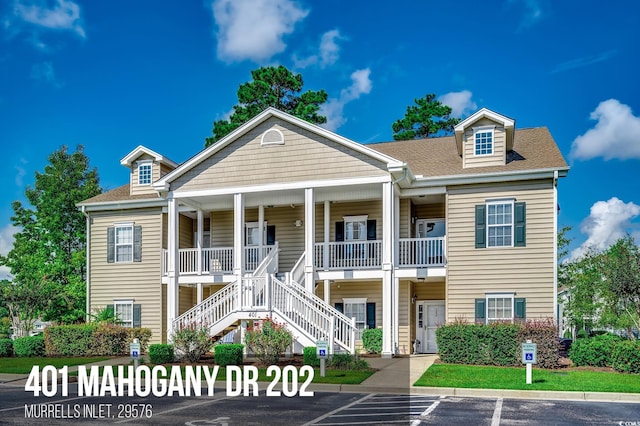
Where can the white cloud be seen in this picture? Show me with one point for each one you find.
(44, 72)
(254, 29)
(583, 61)
(607, 222)
(532, 13)
(6, 244)
(615, 135)
(460, 102)
(333, 108)
(63, 15)
(328, 52)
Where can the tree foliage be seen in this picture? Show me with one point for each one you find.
(604, 287)
(48, 255)
(426, 118)
(275, 87)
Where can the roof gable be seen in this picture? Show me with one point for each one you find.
(141, 150)
(507, 123)
(285, 120)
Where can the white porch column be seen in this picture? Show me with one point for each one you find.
(309, 240)
(261, 241)
(238, 241)
(388, 239)
(327, 292)
(173, 272)
(327, 231)
(199, 235)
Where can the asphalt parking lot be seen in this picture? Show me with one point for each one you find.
(21, 408)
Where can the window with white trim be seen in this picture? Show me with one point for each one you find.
(355, 228)
(144, 173)
(500, 307)
(124, 242)
(356, 308)
(500, 224)
(483, 138)
(123, 311)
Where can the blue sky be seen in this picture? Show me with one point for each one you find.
(113, 75)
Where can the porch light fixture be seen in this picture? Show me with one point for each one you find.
(414, 298)
(298, 223)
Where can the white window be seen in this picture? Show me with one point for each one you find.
(500, 307)
(124, 242)
(483, 137)
(356, 308)
(355, 228)
(144, 173)
(123, 311)
(500, 224)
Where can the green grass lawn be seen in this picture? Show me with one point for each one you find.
(24, 365)
(340, 377)
(473, 376)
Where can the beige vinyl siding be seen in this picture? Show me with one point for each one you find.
(499, 156)
(221, 229)
(187, 298)
(372, 208)
(371, 290)
(304, 156)
(137, 189)
(405, 218)
(290, 238)
(139, 281)
(404, 316)
(526, 271)
(185, 234)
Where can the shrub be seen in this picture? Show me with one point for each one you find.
(626, 356)
(68, 340)
(594, 351)
(161, 354)
(29, 346)
(269, 341)
(545, 335)
(372, 340)
(347, 362)
(310, 356)
(228, 354)
(191, 342)
(143, 335)
(109, 339)
(6, 347)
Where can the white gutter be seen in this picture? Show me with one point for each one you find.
(88, 260)
(489, 177)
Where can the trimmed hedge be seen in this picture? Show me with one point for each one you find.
(96, 339)
(228, 354)
(497, 343)
(6, 347)
(161, 354)
(347, 362)
(29, 346)
(372, 340)
(310, 357)
(594, 351)
(626, 356)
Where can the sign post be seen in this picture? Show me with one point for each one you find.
(322, 352)
(529, 357)
(134, 351)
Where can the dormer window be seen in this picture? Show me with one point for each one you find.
(483, 137)
(144, 173)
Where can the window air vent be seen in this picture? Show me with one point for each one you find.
(272, 137)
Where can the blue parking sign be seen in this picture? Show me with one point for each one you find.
(323, 352)
(529, 357)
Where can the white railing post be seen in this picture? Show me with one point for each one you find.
(332, 331)
(352, 340)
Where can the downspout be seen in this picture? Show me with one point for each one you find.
(88, 266)
(404, 176)
(555, 250)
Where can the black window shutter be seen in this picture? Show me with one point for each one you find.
(520, 309)
(111, 244)
(271, 235)
(137, 315)
(481, 227)
(481, 311)
(339, 231)
(371, 230)
(137, 243)
(339, 307)
(371, 315)
(520, 223)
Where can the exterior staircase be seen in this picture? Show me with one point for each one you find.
(261, 295)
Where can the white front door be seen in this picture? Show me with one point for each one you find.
(429, 315)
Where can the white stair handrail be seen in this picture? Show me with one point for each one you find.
(212, 309)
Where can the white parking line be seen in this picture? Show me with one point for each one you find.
(495, 421)
(428, 411)
(330, 413)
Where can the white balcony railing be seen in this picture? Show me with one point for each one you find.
(214, 260)
(422, 252)
(349, 255)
